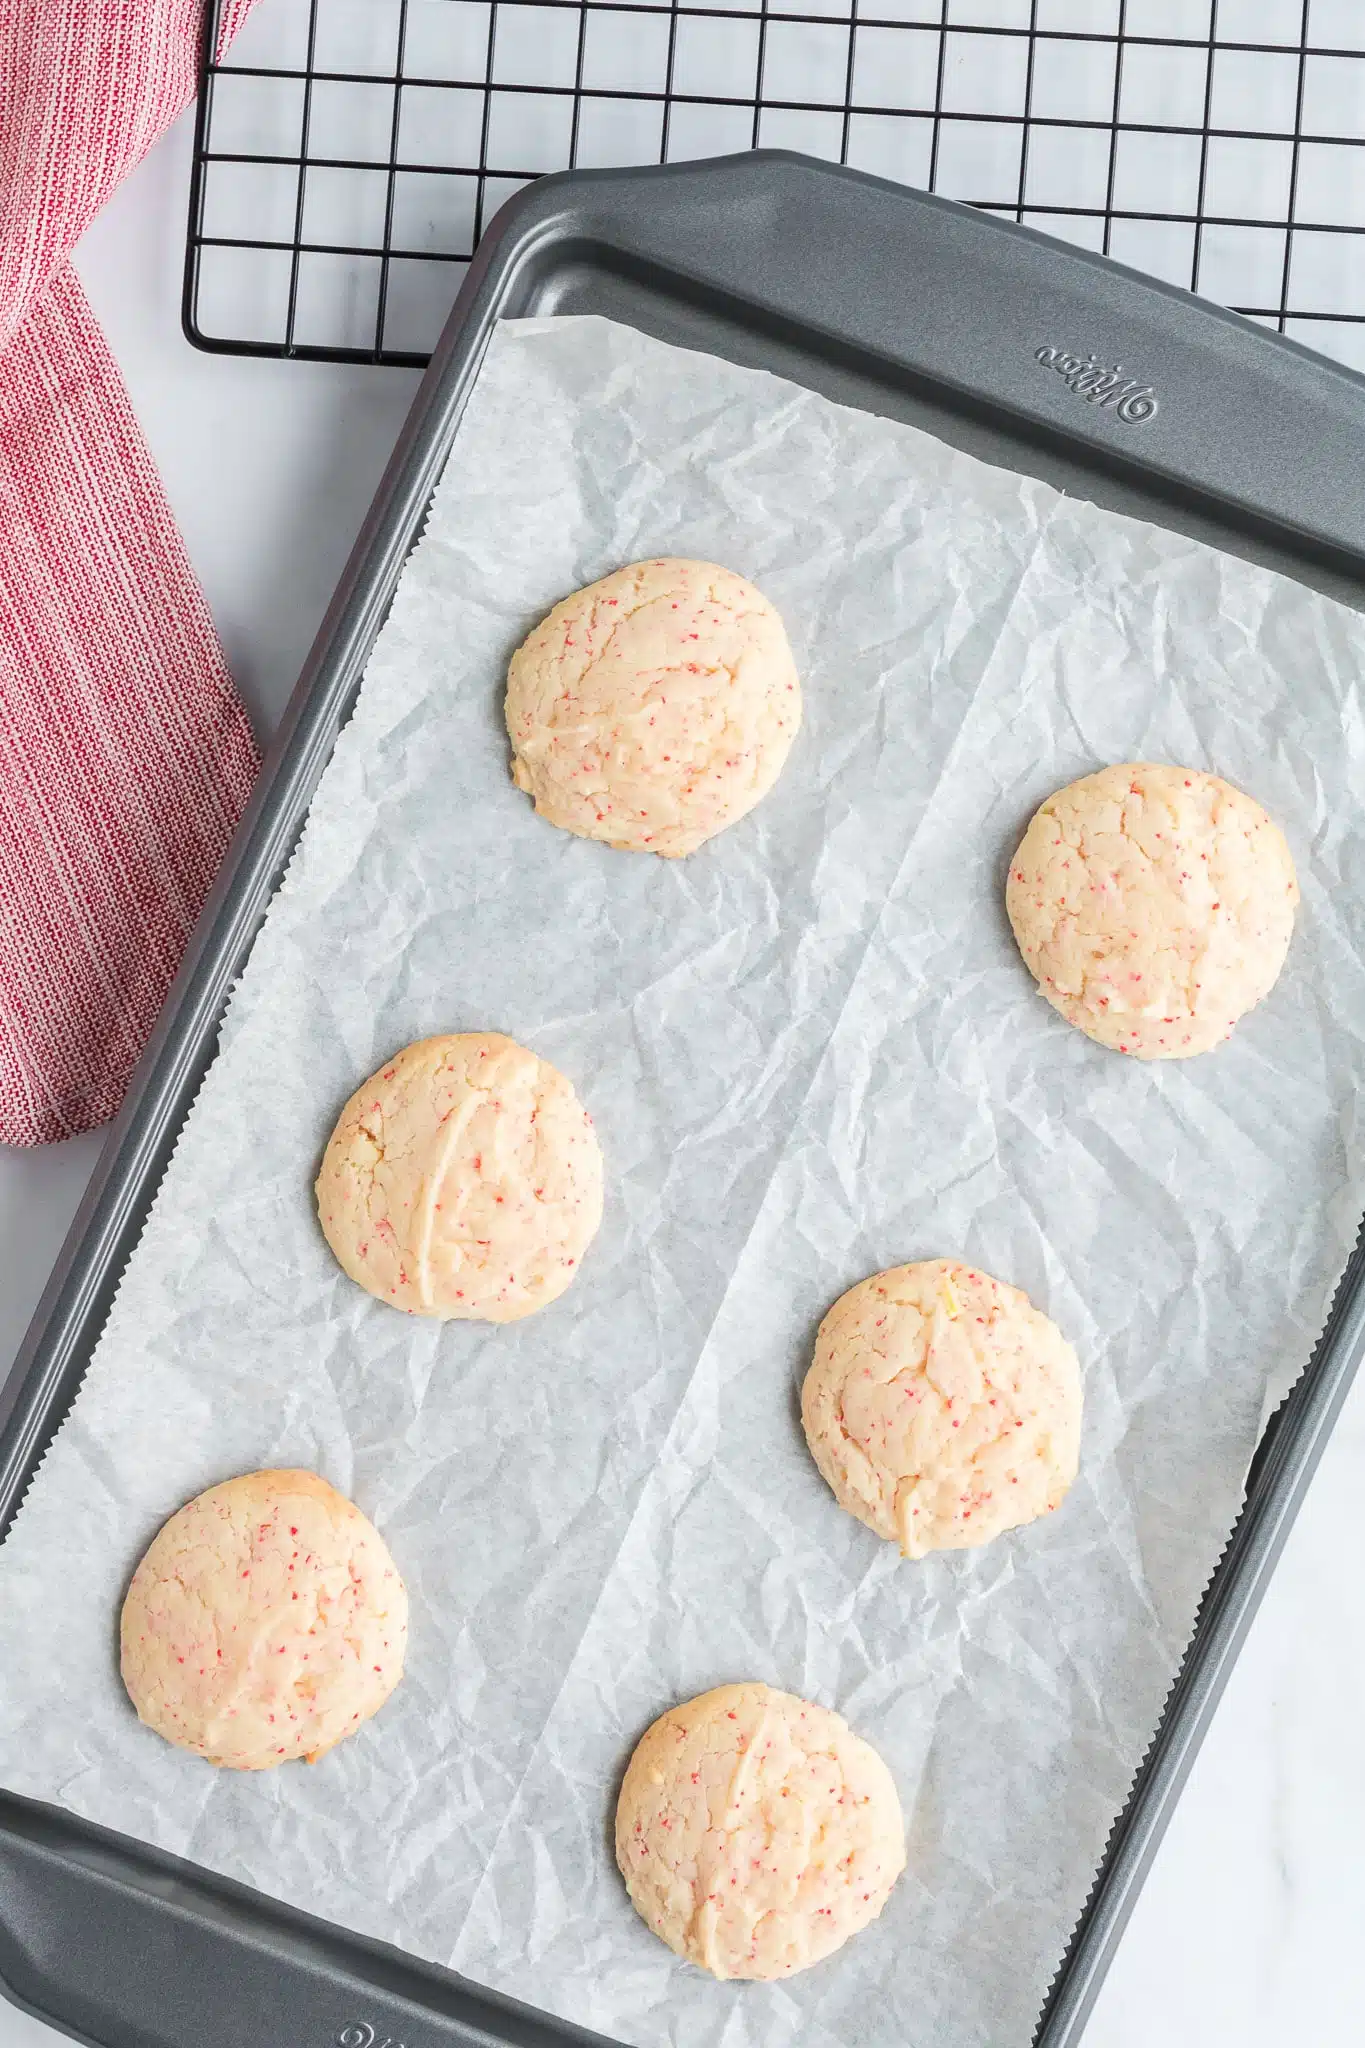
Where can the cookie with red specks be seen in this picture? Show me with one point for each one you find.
(1153, 906)
(757, 1832)
(463, 1179)
(266, 1621)
(653, 708)
(942, 1407)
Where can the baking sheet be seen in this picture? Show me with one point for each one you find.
(810, 1051)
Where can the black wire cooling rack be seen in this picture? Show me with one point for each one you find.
(349, 153)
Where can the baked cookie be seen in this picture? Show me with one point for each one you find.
(942, 1407)
(653, 708)
(1153, 906)
(463, 1179)
(756, 1832)
(266, 1622)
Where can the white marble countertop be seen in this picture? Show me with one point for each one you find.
(1248, 1929)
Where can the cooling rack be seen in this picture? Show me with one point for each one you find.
(350, 153)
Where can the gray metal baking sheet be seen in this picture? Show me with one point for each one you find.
(995, 340)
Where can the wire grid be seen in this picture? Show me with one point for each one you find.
(350, 153)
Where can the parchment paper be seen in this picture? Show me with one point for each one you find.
(811, 1051)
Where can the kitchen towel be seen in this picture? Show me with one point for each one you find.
(125, 754)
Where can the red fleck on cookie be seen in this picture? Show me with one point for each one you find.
(757, 1832)
(266, 1621)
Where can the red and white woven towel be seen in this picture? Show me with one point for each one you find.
(125, 754)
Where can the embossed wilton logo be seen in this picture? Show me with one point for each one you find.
(1086, 375)
(360, 2034)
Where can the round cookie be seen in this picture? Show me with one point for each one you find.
(654, 708)
(265, 1622)
(1154, 907)
(756, 1832)
(463, 1179)
(942, 1407)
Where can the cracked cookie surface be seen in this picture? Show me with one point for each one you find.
(654, 707)
(941, 1407)
(463, 1179)
(266, 1621)
(757, 1832)
(1153, 906)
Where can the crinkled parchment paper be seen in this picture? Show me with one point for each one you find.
(811, 1051)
